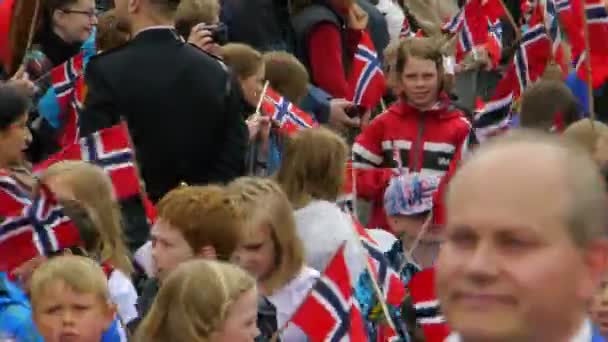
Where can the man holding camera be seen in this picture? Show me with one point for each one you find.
(181, 105)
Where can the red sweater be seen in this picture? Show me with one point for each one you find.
(325, 57)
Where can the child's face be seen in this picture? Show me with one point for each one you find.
(241, 323)
(256, 253)
(411, 226)
(64, 315)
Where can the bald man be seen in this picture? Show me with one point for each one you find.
(526, 243)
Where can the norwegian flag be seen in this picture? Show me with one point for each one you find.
(63, 78)
(426, 305)
(285, 114)
(406, 29)
(366, 75)
(41, 229)
(109, 149)
(562, 5)
(330, 311)
(597, 23)
(494, 44)
(552, 24)
(455, 23)
(492, 118)
(471, 25)
(13, 198)
(531, 58)
(69, 134)
(390, 284)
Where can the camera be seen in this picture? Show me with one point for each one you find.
(219, 33)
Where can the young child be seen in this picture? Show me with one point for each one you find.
(408, 201)
(272, 252)
(70, 300)
(193, 222)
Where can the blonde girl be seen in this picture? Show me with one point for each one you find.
(203, 301)
(272, 251)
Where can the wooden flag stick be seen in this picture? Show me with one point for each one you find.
(33, 24)
(264, 90)
(587, 56)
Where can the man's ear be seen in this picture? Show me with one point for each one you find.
(596, 260)
(207, 252)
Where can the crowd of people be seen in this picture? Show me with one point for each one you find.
(304, 170)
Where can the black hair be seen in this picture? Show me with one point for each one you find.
(13, 106)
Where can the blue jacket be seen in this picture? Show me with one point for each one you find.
(16, 313)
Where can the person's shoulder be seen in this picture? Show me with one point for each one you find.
(196, 56)
(108, 59)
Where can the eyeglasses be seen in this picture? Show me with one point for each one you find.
(90, 14)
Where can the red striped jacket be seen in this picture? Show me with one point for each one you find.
(430, 142)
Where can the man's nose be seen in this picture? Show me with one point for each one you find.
(483, 263)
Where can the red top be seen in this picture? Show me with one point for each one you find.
(325, 57)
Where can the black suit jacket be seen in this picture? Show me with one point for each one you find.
(181, 105)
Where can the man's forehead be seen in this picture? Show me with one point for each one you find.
(517, 179)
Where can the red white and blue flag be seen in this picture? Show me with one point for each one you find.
(13, 197)
(367, 76)
(597, 24)
(531, 57)
(285, 114)
(39, 230)
(63, 79)
(109, 149)
(330, 312)
(493, 118)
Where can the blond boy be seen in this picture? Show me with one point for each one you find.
(70, 300)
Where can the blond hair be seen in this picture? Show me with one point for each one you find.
(194, 302)
(205, 216)
(81, 274)
(93, 188)
(286, 74)
(266, 204)
(242, 59)
(313, 166)
(586, 133)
